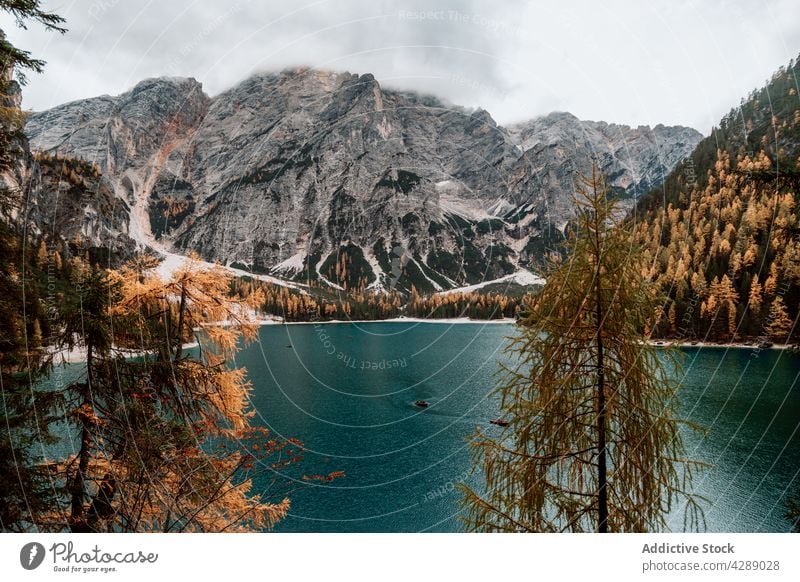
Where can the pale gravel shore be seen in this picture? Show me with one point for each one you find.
(451, 321)
(739, 346)
(77, 354)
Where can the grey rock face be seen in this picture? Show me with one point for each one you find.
(128, 138)
(328, 176)
(634, 159)
(13, 144)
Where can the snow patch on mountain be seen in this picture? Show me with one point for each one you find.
(522, 277)
(292, 265)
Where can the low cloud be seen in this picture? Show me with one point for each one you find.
(636, 63)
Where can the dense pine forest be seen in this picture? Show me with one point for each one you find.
(722, 234)
(320, 304)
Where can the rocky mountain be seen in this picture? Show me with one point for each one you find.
(329, 177)
(633, 159)
(13, 143)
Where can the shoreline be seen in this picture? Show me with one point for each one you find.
(78, 354)
(665, 343)
(443, 320)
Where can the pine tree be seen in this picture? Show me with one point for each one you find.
(26, 409)
(41, 256)
(754, 297)
(144, 463)
(24, 11)
(779, 321)
(672, 317)
(592, 442)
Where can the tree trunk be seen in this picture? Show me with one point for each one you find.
(78, 489)
(602, 497)
(602, 470)
(181, 310)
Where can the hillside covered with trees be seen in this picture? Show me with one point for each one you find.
(722, 235)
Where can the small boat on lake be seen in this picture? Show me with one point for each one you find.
(422, 403)
(499, 422)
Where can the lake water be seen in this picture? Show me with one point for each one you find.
(348, 391)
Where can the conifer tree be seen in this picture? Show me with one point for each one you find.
(592, 442)
(147, 423)
(25, 488)
(23, 12)
(779, 321)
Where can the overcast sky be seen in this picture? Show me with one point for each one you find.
(671, 62)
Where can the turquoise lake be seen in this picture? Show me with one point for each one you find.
(347, 391)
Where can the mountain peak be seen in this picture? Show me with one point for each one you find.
(281, 168)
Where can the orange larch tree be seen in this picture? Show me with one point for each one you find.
(166, 441)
